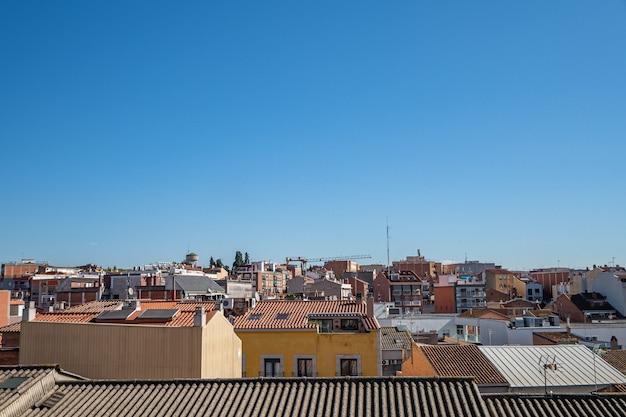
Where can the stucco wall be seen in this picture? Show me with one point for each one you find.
(325, 346)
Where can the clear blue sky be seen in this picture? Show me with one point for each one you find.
(135, 131)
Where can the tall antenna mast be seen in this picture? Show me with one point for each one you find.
(388, 265)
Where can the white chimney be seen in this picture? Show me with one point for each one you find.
(30, 312)
(199, 319)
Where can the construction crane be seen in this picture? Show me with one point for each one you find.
(304, 261)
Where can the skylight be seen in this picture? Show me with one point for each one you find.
(255, 316)
(282, 316)
(12, 382)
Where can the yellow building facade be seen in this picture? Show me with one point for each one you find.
(309, 339)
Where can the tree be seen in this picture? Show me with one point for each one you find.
(246, 259)
(238, 260)
(218, 263)
(211, 262)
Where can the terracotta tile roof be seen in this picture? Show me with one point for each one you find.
(11, 328)
(288, 314)
(94, 306)
(463, 360)
(87, 312)
(542, 313)
(479, 312)
(558, 337)
(66, 317)
(617, 359)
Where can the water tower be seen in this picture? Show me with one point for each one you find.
(191, 258)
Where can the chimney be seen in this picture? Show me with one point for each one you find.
(370, 306)
(30, 312)
(199, 319)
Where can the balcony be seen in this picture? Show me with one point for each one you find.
(467, 338)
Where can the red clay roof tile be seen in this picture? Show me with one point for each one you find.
(294, 314)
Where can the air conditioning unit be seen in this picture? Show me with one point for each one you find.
(228, 303)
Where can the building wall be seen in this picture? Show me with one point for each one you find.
(381, 288)
(221, 349)
(5, 307)
(547, 278)
(340, 267)
(118, 351)
(78, 297)
(445, 299)
(612, 288)
(565, 308)
(324, 346)
(417, 364)
(502, 281)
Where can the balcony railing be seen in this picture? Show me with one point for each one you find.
(467, 338)
(272, 375)
(308, 375)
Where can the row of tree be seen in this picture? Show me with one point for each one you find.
(240, 260)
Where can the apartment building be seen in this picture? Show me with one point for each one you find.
(403, 288)
(284, 338)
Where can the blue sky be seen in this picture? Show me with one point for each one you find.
(135, 131)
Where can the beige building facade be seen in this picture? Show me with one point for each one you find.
(209, 349)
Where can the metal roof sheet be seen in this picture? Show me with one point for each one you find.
(556, 405)
(576, 365)
(268, 397)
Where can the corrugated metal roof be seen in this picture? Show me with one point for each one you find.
(197, 284)
(561, 405)
(576, 365)
(269, 397)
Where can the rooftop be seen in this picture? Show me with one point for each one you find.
(393, 338)
(576, 366)
(463, 360)
(89, 312)
(617, 359)
(295, 314)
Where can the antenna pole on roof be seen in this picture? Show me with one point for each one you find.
(388, 265)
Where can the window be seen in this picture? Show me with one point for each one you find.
(304, 367)
(460, 330)
(282, 316)
(325, 326)
(349, 324)
(348, 365)
(271, 365)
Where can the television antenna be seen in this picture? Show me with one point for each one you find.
(547, 363)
